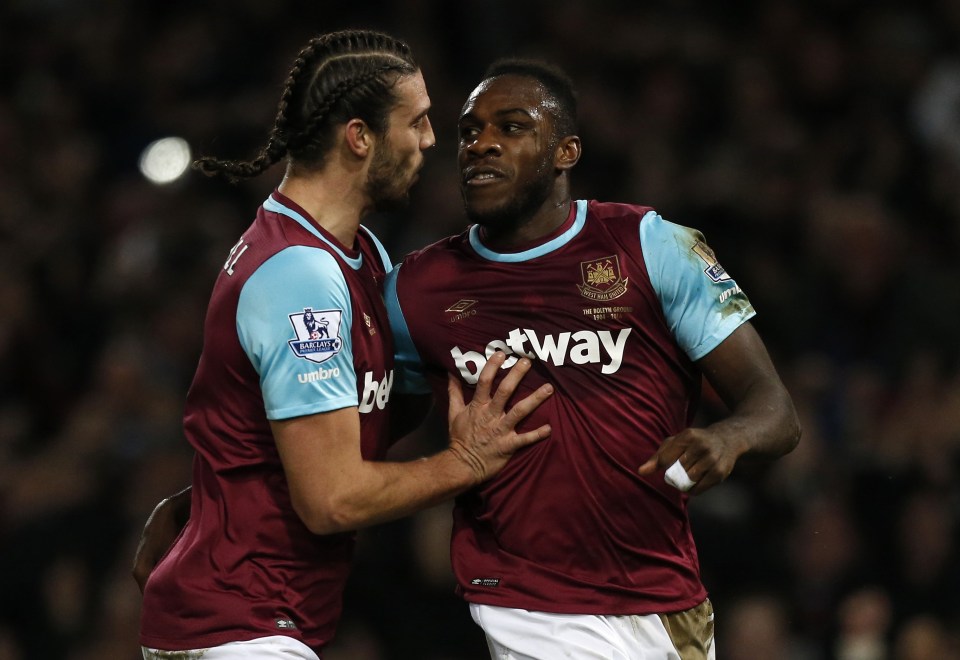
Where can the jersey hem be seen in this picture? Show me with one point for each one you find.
(209, 641)
(717, 338)
(300, 411)
(623, 609)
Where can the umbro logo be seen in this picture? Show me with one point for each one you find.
(485, 582)
(461, 310)
(461, 305)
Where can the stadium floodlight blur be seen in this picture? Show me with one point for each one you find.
(165, 160)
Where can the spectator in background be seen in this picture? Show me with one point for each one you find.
(766, 114)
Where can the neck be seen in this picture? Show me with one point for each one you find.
(525, 230)
(335, 200)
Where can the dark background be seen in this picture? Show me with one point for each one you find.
(816, 144)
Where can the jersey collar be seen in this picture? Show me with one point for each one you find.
(275, 206)
(545, 248)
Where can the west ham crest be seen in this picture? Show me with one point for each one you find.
(601, 279)
(318, 334)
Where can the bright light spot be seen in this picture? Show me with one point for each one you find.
(165, 160)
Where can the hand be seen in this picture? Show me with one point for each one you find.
(161, 529)
(707, 457)
(481, 433)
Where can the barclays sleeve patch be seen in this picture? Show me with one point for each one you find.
(713, 270)
(318, 334)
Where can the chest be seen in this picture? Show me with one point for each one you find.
(580, 310)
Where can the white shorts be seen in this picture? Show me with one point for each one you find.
(274, 647)
(514, 634)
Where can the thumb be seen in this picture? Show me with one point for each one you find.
(455, 396)
(650, 466)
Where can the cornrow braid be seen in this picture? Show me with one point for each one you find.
(335, 77)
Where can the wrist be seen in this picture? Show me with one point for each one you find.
(468, 461)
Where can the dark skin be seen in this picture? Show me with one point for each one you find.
(507, 137)
(510, 150)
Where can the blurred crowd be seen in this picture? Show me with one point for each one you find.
(816, 144)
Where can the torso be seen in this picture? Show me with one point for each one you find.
(296, 325)
(568, 525)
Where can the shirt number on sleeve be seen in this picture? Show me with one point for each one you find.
(235, 253)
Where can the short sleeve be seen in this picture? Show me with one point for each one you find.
(293, 320)
(703, 305)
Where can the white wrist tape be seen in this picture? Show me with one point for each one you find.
(677, 477)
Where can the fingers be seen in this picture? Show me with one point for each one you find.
(530, 437)
(509, 384)
(527, 404)
(668, 453)
(693, 461)
(487, 375)
(677, 477)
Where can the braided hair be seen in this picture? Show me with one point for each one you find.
(336, 77)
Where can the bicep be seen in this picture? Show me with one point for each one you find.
(320, 455)
(740, 366)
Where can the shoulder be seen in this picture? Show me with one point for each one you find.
(443, 253)
(616, 211)
(295, 268)
(657, 231)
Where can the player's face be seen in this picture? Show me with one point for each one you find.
(506, 151)
(397, 159)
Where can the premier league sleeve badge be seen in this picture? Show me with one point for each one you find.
(318, 334)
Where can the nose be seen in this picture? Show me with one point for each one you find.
(482, 143)
(427, 138)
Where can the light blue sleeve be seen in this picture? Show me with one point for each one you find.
(702, 304)
(293, 320)
(408, 368)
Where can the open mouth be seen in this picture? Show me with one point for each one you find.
(482, 176)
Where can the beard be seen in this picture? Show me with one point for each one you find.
(513, 210)
(388, 181)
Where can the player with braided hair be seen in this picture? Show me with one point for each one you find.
(289, 407)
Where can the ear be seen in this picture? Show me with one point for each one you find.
(568, 152)
(359, 137)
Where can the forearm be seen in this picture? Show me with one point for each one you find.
(381, 491)
(762, 419)
(763, 423)
(333, 488)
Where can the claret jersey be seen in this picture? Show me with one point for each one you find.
(295, 326)
(614, 309)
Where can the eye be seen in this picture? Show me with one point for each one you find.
(468, 133)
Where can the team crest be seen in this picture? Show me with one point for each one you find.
(713, 270)
(601, 279)
(318, 334)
